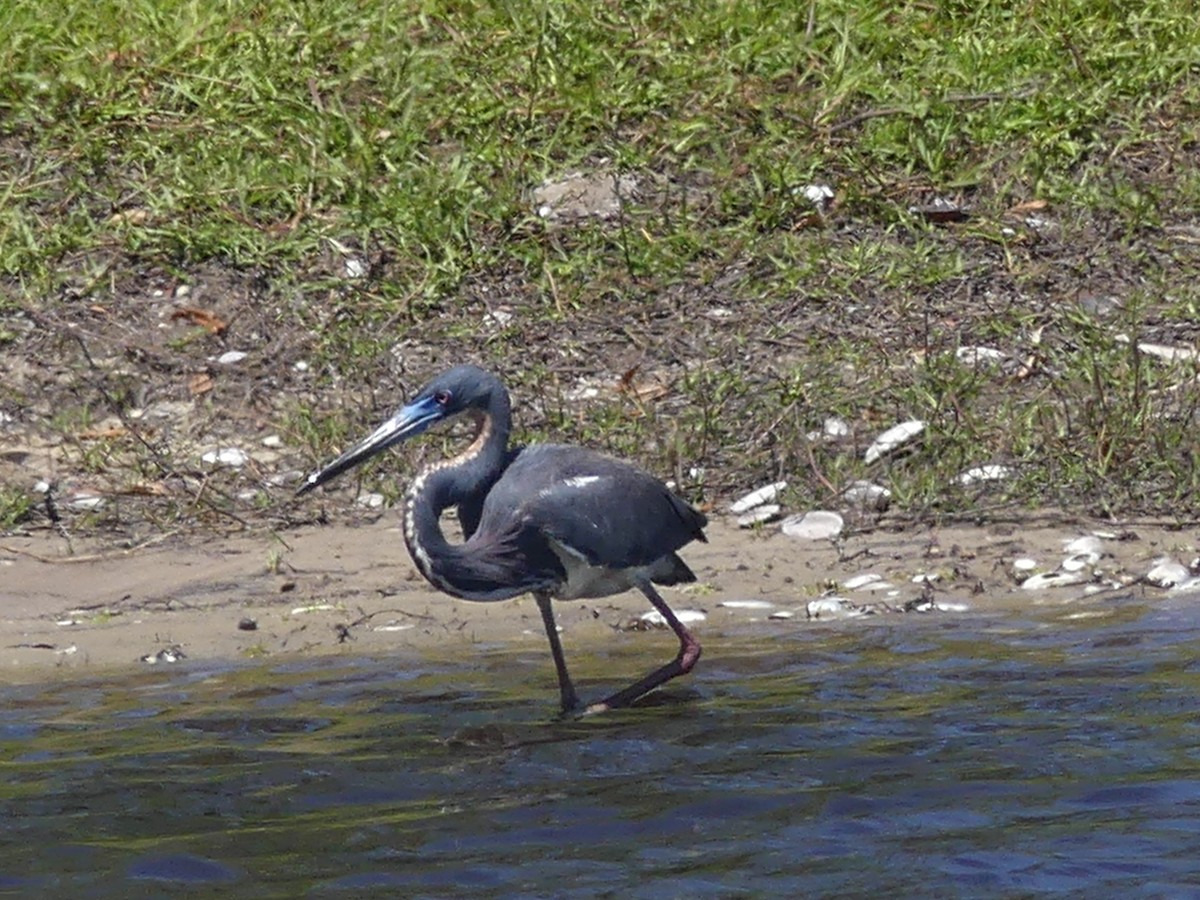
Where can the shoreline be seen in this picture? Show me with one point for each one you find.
(351, 589)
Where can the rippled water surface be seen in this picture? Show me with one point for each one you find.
(928, 756)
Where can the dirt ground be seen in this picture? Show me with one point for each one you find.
(339, 589)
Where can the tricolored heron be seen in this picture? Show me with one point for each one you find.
(551, 520)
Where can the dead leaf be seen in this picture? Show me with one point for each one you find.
(129, 217)
(153, 489)
(101, 434)
(1027, 207)
(200, 383)
(201, 317)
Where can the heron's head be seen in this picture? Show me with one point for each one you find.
(457, 391)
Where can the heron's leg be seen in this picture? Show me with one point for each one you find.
(570, 699)
(689, 652)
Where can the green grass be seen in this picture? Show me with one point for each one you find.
(165, 142)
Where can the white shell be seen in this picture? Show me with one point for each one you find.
(1088, 545)
(985, 473)
(230, 357)
(834, 428)
(866, 495)
(818, 195)
(815, 525)
(979, 356)
(685, 616)
(1052, 579)
(833, 608)
(746, 604)
(86, 500)
(1077, 563)
(764, 494)
(1167, 573)
(315, 607)
(758, 515)
(868, 581)
(1024, 564)
(893, 438)
(226, 456)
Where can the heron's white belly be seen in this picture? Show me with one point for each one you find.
(586, 581)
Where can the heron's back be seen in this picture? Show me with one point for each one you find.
(607, 512)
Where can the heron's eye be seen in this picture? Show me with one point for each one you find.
(442, 398)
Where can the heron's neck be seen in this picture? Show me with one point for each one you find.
(465, 478)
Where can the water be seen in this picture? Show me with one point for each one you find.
(923, 756)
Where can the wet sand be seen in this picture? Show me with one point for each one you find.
(340, 589)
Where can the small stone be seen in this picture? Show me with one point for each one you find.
(355, 267)
(746, 604)
(247, 624)
(273, 441)
(231, 357)
(372, 500)
(781, 614)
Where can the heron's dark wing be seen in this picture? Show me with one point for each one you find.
(609, 512)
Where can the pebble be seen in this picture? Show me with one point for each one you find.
(231, 357)
(746, 604)
(781, 614)
(371, 500)
(815, 525)
(273, 441)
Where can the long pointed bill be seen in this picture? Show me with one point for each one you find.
(408, 422)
